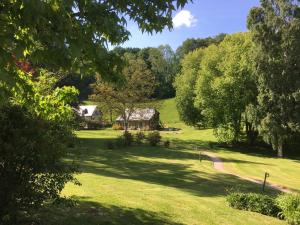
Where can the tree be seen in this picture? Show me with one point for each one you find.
(276, 34)
(171, 70)
(185, 88)
(226, 86)
(155, 61)
(192, 44)
(72, 35)
(136, 89)
(59, 36)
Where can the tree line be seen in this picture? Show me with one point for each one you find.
(162, 61)
(250, 82)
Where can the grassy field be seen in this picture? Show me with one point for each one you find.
(157, 185)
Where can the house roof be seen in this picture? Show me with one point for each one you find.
(139, 114)
(87, 110)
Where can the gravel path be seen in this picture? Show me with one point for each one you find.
(219, 165)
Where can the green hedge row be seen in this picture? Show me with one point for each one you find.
(285, 206)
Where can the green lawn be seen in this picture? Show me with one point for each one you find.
(157, 185)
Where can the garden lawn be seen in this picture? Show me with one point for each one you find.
(151, 185)
(157, 185)
(248, 162)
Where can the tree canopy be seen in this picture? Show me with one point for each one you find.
(276, 34)
(185, 88)
(216, 85)
(136, 89)
(72, 35)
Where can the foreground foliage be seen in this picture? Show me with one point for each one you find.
(36, 130)
(285, 206)
(31, 170)
(290, 206)
(260, 203)
(71, 35)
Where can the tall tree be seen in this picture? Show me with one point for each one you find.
(137, 87)
(226, 86)
(276, 34)
(185, 88)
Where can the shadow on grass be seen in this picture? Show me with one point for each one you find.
(92, 213)
(172, 167)
(259, 150)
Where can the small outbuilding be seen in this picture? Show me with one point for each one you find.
(90, 112)
(90, 116)
(141, 119)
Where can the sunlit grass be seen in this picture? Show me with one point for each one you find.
(157, 185)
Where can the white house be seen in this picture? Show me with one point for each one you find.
(90, 112)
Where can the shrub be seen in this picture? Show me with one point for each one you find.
(117, 127)
(128, 138)
(120, 142)
(139, 137)
(31, 168)
(154, 138)
(290, 208)
(253, 202)
(167, 144)
(92, 124)
(124, 140)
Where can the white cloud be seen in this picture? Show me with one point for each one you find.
(184, 18)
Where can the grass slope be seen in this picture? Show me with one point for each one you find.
(156, 185)
(146, 185)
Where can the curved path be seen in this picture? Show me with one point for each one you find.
(219, 165)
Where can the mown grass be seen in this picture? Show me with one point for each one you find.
(157, 185)
(146, 185)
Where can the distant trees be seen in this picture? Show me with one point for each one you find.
(135, 90)
(276, 34)
(192, 44)
(163, 64)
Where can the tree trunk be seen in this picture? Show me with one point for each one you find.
(125, 126)
(280, 150)
(251, 133)
(111, 117)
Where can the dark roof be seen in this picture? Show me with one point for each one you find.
(139, 115)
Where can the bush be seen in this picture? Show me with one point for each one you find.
(128, 138)
(139, 137)
(154, 138)
(290, 208)
(253, 202)
(167, 144)
(117, 127)
(92, 124)
(31, 168)
(125, 140)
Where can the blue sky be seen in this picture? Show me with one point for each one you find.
(200, 19)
